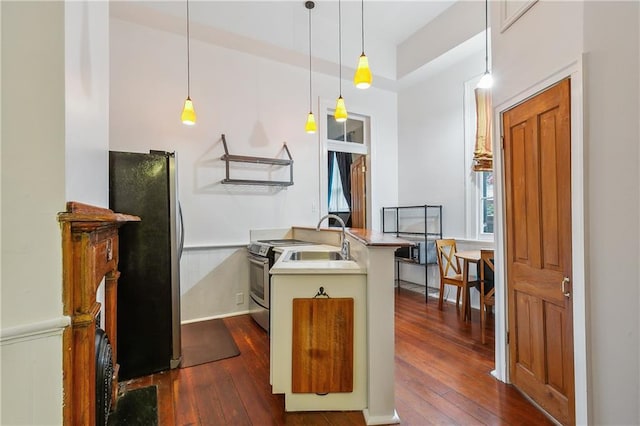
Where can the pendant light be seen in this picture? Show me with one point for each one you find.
(487, 80)
(341, 110)
(362, 78)
(310, 127)
(188, 116)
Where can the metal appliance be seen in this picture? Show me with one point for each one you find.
(262, 256)
(149, 286)
(422, 252)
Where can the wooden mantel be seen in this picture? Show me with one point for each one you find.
(89, 254)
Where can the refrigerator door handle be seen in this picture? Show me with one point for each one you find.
(181, 248)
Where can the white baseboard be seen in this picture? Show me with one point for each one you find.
(232, 314)
(380, 420)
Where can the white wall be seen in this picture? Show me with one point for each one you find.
(611, 144)
(87, 102)
(431, 145)
(47, 47)
(33, 191)
(431, 149)
(258, 103)
(607, 32)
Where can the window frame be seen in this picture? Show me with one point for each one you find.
(473, 181)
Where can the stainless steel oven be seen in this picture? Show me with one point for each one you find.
(259, 287)
(261, 259)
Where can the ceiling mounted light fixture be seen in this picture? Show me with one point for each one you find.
(341, 110)
(310, 127)
(487, 80)
(362, 78)
(188, 115)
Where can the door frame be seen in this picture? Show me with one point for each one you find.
(324, 146)
(574, 70)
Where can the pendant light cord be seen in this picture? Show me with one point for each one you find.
(362, 25)
(188, 56)
(340, 42)
(310, 95)
(486, 35)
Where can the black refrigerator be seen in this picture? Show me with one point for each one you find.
(148, 333)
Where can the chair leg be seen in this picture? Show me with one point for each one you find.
(441, 295)
(458, 297)
(483, 315)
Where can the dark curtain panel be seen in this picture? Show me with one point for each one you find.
(344, 165)
(330, 157)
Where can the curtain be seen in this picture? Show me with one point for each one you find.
(483, 154)
(330, 172)
(344, 165)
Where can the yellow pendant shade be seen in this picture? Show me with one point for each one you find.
(341, 111)
(362, 78)
(310, 127)
(188, 113)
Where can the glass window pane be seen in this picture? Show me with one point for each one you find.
(355, 131)
(487, 216)
(487, 203)
(350, 131)
(335, 130)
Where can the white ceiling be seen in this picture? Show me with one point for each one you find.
(390, 21)
(283, 25)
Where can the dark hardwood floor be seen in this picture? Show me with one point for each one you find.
(442, 377)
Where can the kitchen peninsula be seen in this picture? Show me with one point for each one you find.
(367, 278)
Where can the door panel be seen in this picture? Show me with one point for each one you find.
(358, 193)
(537, 147)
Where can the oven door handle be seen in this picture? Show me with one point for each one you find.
(258, 260)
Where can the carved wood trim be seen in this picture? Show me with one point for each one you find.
(89, 254)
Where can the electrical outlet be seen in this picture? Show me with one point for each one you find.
(239, 298)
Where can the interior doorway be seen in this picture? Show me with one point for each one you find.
(538, 258)
(346, 186)
(344, 170)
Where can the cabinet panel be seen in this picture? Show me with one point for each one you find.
(322, 346)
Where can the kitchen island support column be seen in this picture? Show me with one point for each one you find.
(381, 336)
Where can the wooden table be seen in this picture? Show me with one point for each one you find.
(467, 257)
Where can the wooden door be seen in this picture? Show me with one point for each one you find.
(537, 148)
(358, 193)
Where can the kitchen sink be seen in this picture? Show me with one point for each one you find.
(314, 255)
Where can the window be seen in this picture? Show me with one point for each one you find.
(486, 202)
(351, 130)
(478, 185)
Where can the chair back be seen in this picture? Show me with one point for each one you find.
(487, 271)
(447, 263)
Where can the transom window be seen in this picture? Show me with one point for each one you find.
(351, 130)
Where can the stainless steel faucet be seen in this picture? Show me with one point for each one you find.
(345, 250)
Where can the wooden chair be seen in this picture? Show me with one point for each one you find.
(449, 265)
(487, 289)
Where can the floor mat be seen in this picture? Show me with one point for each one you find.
(138, 407)
(206, 341)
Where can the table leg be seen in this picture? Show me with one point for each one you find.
(465, 291)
